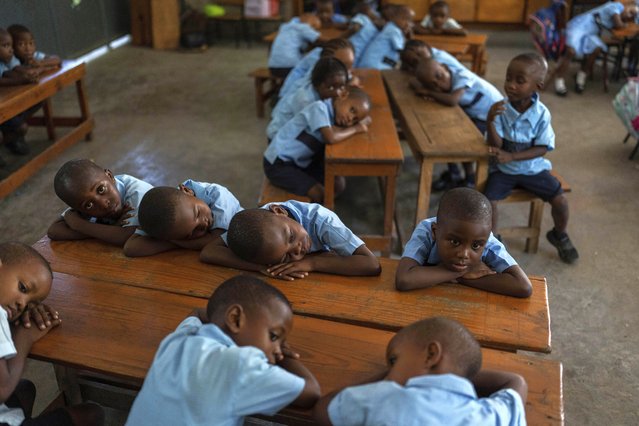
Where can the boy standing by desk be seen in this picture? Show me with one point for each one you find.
(519, 135)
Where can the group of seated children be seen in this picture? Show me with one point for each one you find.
(20, 63)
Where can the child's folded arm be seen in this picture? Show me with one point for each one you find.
(198, 243)
(411, 275)
(335, 134)
(511, 282)
(60, 231)
(449, 99)
(112, 234)
(141, 245)
(487, 382)
(311, 391)
(361, 263)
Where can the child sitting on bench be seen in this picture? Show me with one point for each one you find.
(226, 362)
(189, 216)
(383, 51)
(519, 135)
(293, 39)
(24, 48)
(433, 377)
(439, 21)
(25, 281)
(101, 205)
(458, 246)
(363, 28)
(287, 240)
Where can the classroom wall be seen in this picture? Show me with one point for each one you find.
(69, 28)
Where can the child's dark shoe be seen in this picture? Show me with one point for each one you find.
(18, 146)
(445, 182)
(567, 252)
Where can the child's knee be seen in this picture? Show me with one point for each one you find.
(559, 201)
(340, 184)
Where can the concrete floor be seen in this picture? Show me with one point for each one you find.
(168, 116)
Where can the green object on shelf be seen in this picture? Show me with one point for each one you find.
(213, 10)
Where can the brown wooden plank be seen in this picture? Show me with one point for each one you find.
(102, 319)
(497, 321)
(325, 35)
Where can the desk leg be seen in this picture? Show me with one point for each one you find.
(423, 190)
(68, 384)
(389, 212)
(481, 175)
(84, 105)
(48, 119)
(329, 187)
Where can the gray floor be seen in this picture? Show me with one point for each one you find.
(168, 116)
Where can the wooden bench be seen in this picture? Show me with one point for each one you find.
(497, 321)
(264, 92)
(533, 230)
(270, 193)
(101, 319)
(17, 99)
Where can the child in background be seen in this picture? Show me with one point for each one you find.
(328, 81)
(416, 50)
(25, 281)
(362, 28)
(519, 135)
(325, 11)
(433, 377)
(452, 86)
(288, 240)
(25, 50)
(189, 216)
(101, 205)
(294, 160)
(226, 362)
(383, 51)
(438, 21)
(293, 39)
(458, 246)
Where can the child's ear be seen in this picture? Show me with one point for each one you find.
(277, 209)
(109, 173)
(187, 191)
(433, 355)
(540, 84)
(234, 318)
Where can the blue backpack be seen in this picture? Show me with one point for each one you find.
(548, 29)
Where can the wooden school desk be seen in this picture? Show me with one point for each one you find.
(17, 99)
(475, 41)
(375, 153)
(497, 321)
(436, 134)
(325, 35)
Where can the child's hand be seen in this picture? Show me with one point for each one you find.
(126, 214)
(288, 277)
(288, 269)
(33, 334)
(501, 155)
(495, 110)
(478, 271)
(362, 126)
(73, 219)
(415, 84)
(39, 313)
(287, 352)
(355, 82)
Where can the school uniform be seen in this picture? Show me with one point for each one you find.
(8, 415)
(447, 59)
(422, 248)
(363, 36)
(303, 69)
(15, 122)
(288, 47)
(383, 51)
(443, 399)
(8, 66)
(220, 200)
(582, 31)
(449, 23)
(479, 95)
(326, 230)
(294, 160)
(289, 106)
(199, 376)
(519, 132)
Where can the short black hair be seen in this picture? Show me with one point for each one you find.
(414, 44)
(533, 59)
(439, 4)
(248, 291)
(465, 204)
(245, 235)
(333, 45)
(357, 93)
(70, 175)
(402, 11)
(16, 29)
(458, 343)
(325, 68)
(14, 252)
(158, 210)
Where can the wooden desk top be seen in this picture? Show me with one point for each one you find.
(434, 129)
(100, 320)
(497, 321)
(380, 143)
(325, 35)
(474, 39)
(630, 30)
(15, 99)
(454, 48)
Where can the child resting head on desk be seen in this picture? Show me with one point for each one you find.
(294, 160)
(417, 50)
(25, 50)
(439, 21)
(101, 205)
(25, 281)
(458, 246)
(287, 240)
(226, 362)
(189, 216)
(456, 86)
(433, 377)
(383, 51)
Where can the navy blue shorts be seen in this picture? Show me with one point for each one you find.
(14, 123)
(291, 177)
(544, 185)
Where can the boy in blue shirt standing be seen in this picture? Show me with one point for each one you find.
(383, 51)
(519, 135)
(226, 362)
(293, 39)
(433, 377)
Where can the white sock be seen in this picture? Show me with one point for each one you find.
(560, 85)
(581, 78)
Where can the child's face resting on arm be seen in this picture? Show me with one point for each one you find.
(460, 244)
(411, 56)
(435, 76)
(193, 217)
(286, 240)
(350, 110)
(24, 46)
(21, 284)
(6, 48)
(97, 196)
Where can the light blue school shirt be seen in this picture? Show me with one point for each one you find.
(199, 376)
(521, 131)
(447, 59)
(444, 399)
(289, 106)
(326, 230)
(479, 95)
(449, 23)
(299, 71)
(423, 249)
(10, 416)
(4, 67)
(363, 37)
(383, 51)
(300, 139)
(582, 31)
(338, 18)
(292, 39)
(39, 56)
